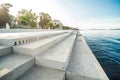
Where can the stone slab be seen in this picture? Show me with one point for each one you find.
(25, 37)
(36, 47)
(42, 73)
(4, 72)
(83, 65)
(17, 64)
(58, 56)
(27, 30)
(4, 50)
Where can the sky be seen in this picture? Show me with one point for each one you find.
(84, 14)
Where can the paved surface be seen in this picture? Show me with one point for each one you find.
(25, 34)
(83, 65)
(57, 56)
(13, 66)
(20, 38)
(3, 46)
(28, 30)
(42, 73)
(38, 46)
(13, 61)
(4, 50)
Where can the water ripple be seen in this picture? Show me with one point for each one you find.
(106, 47)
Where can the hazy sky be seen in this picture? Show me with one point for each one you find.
(76, 13)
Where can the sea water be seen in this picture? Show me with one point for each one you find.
(105, 44)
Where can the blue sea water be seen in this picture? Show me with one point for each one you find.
(105, 44)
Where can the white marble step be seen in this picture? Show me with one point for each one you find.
(42, 73)
(38, 46)
(57, 57)
(4, 50)
(14, 65)
(83, 65)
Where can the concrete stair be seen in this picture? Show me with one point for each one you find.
(36, 47)
(14, 65)
(57, 57)
(4, 50)
(62, 55)
(42, 73)
(83, 64)
(12, 39)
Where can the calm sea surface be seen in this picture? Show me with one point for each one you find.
(105, 44)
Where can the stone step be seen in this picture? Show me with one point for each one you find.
(36, 47)
(83, 65)
(42, 73)
(27, 30)
(4, 50)
(12, 39)
(57, 57)
(14, 65)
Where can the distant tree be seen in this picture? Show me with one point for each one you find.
(6, 6)
(5, 17)
(44, 20)
(66, 27)
(27, 17)
(50, 25)
(57, 24)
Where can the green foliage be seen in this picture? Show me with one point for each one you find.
(50, 25)
(56, 26)
(5, 17)
(66, 27)
(6, 6)
(44, 20)
(27, 17)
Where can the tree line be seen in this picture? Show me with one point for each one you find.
(5, 17)
(28, 19)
